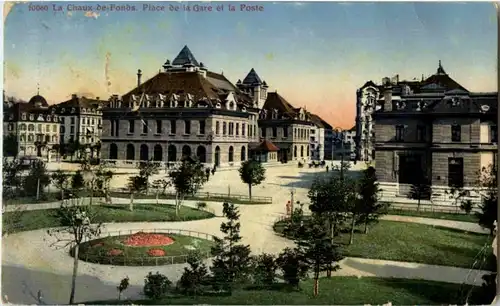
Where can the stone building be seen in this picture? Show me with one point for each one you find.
(344, 144)
(436, 132)
(33, 127)
(321, 144)
(287, 127)
(188, 110)
(183, 110)
(81, 122)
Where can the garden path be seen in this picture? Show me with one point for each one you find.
(29, 264)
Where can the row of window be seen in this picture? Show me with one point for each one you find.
(201, 153)
(83, 120)
(31, 127)
(297, 133)
(31, 138)
(32, 117)
(456, 133)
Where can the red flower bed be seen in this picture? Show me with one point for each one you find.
(156, 252)
(97, 244)
(115, 252)
(147, 239)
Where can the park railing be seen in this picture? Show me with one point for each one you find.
(146, 260)
(199, 196)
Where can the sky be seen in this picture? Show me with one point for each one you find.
(314, 54)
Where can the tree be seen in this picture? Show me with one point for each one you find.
(11, 174)
(293, 268)
(252, 173)
(317, 250)
(231, 261)
(187, 180)
(77, 182)
(10, 145)
(487, 185)
(78, 222)
(148, 169)
(371, 208)
(420, 190)
(39, 147)
(161, 185)
(36, 180)
(122, 287)
(156, 285)
(457, 193)
(264, 268)
(11, 220)
(61, 180)
(137, 184)
(98, 177)
(195, 277)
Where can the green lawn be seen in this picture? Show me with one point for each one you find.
(55, 196)
(413, 242)
(96, 251)
(434, 215)
(37, 219)
(337, 291)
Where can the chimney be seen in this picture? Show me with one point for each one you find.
(97, 98)
(139, 75)
(387, 97)
(73, 96)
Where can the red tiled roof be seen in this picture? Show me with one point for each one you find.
(267, 146)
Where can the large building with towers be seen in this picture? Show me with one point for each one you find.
(188, 110)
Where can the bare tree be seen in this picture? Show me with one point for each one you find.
(77, 225)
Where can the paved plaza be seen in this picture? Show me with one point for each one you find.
(30, 264)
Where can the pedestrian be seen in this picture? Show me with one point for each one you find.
(326, 169)
(40, 297)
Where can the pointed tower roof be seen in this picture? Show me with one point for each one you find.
(185, 57)
(252, 78)
(440, 69)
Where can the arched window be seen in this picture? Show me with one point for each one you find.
(31, 138)
(113, 151)
(22, 127)
(130, 152)
(157, 153)
(144, 153)
(186, 151)
(172, 153)
(201, 153)
(231, 154)
(217, 127)
(243, 153)
(54, 138)
(31, 127)
(23, 138)
(217, 156)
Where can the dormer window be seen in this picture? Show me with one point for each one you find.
(63, 110)
(73, 110)
(32, 117)
(244, 109)
(218, 105)
(23, 116)
(231, 105)
(48, 118)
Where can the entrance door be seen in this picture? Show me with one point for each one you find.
(217, 156)
(455, 172)
(410, 170)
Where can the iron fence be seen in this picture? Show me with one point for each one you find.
(146, 260)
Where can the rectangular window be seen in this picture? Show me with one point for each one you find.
(202, 127)
(173, 127)
(72, 120)
(117, 126)
(231, 128)
(494, 133)
(243, 131)
(264, 134)
(62, 120)
(285, 132)
(131, 126)
(275, 132)
(112, 122)
(72, 130)
(224, 128)
(187, 127)
(158, 126)
(237, 129)
(400, 132)
(421, 133)
(254, 130)
(455, 172)
(145, 127)
(456, 133)
(217, 127)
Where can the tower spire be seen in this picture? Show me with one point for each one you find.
(37, 89)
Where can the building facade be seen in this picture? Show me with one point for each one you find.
(32, 127)
(344, 144)
(81, 122)
(321, 144)
(435, 132)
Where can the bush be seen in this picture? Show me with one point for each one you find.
(156, 285)
(467, 206)
(293, 268)
(264, 269)
(195, 277)
(201, 205)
